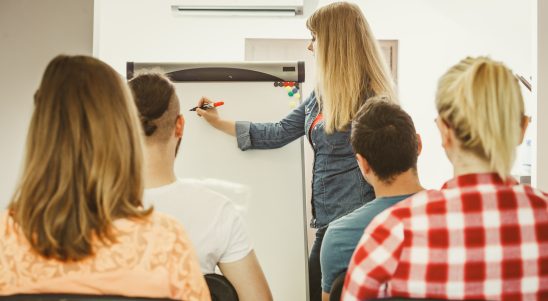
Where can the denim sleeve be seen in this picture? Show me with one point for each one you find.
(334, 257)
(252, 135)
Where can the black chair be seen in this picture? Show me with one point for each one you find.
(405, 299)
(411, 299)
(336, 287)
(74, 297)
(220, 288)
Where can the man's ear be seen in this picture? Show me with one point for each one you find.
(179, 126)
(363, 164)
(419, 144)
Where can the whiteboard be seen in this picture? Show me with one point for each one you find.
(275, 215)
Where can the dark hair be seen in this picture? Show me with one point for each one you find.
(157, 103)
(384, 134)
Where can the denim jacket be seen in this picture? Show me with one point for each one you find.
(338, 186)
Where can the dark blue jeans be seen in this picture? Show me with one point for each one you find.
(314, 267)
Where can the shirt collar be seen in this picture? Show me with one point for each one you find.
(476, 179)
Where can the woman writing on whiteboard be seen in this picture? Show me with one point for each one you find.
(350, 70)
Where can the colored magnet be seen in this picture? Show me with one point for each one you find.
(290, 93)
(297, 95)
(292, 104)
(288, 89)
(295, 90)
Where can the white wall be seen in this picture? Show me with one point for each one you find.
(433, 35)
(149, 32)
(541, 88)
(31, 34)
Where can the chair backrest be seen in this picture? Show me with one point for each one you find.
(73, 297)
(220, 288)
(413, 299)
(336, 287)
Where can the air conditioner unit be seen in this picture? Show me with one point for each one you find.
(253, 8)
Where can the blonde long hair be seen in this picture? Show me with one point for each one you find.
(480, 99)
(349, 63)
(83, 162)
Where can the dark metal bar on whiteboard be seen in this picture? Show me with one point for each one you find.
(224, 71)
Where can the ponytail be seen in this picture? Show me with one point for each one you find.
(481, 100)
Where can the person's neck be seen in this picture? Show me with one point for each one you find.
(404, 183)
(159, 161)
(468, 163)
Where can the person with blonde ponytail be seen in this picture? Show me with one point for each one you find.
(76, 224)
(350, 69)
(482, 236)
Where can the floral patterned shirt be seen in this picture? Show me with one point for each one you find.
(151, 258)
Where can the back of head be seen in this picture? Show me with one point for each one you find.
(384, 134)
(83, 160)
(480, 100)
(157, 103)
(350, 66)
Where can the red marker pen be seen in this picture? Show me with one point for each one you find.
(209, 106)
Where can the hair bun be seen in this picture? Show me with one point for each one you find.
(148, 127)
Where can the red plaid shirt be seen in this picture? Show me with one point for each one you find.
(478, 238)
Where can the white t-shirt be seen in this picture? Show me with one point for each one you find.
(215, 228)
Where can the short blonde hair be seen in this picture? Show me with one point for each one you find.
(83, 162)
(350, 65)
(480, 99)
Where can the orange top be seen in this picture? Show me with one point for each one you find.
(318, 119)
(152, 258)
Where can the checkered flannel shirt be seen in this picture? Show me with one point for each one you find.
(478, 238)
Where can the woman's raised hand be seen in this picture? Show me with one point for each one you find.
(210, 115)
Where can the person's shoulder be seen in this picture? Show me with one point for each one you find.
(423, 198)
(212, 195)
(416, 202)
(530, 190)
(312, 98)
(166, 232)
(4, 216)
(347, 222)
(356, 221)
(163, 222)
(6, 223)
(338, 234)
(538, 197)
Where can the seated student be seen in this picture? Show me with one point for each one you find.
(214, 226)
(386, 146)
(482, 236)
(76, 224)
